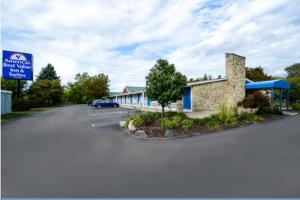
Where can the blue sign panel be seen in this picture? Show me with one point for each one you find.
(17, 65)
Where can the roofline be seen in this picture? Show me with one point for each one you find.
(204, 82)
(124, 94)
(6, 91)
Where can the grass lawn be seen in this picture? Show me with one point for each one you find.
(14, 115)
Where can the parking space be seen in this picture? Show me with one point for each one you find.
(58, 153)
(108, 116)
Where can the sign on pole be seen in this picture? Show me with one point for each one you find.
(17, 65)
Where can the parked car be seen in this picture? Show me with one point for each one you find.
(104, 103)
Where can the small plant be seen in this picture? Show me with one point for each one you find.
(137, 120)
(182, 115)
(213, 124)
(227, 116)
(296, 106)
(177, 119)
(170, 114)
(187, 124)
(166, 123)
(255, 100)
(249, 117)
(201, 122)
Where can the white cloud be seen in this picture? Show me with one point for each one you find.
(124, 38)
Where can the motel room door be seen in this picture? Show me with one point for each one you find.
(187, 99)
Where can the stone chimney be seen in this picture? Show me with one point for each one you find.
(236, 74)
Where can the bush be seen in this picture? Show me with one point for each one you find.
(137, 120)
(296, 106)
(187, 124)
(170, 114)
(21, 104)
(166, 123)
(201, 122)
(150, 117)
(255, 100)
(213, 124)
(177, 119)
(249, 117)
(269, 111)
(227, 116)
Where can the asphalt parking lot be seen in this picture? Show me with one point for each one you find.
(78, 151)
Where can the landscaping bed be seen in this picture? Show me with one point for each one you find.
(176, 125)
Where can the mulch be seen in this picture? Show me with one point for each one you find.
(158, 132)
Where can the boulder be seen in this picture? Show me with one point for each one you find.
(122, 123)
(131, 127)
(169, 133)
(140, 134)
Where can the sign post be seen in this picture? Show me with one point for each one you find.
(18, 66)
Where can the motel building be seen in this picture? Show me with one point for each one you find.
(207, 95)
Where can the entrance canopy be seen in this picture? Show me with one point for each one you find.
(271, 85)
(275, 84)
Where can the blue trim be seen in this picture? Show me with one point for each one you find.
(187, 98)
(268, 85)
(138, 99)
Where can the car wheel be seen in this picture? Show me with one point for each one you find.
(115, 105)
(99, 106)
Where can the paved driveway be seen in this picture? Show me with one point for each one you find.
(58, 153)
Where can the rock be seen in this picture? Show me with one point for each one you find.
(169, 133)
(122, 123)
(140, 134)
(131, 127)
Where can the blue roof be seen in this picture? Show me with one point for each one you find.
(279, 84)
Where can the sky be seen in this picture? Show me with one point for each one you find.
(124, 38)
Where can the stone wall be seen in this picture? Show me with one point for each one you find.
(208, 96)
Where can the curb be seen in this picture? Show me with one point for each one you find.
(166, 138)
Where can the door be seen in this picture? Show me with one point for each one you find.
(131, 99)
(138, 99)
(187, 98)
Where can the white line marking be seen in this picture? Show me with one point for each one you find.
(105, 124)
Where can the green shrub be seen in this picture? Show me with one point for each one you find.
(249, 117)
(296, 106)
(177, 119)
(137, 120)
(269, 111)
(166, 123)
(170, 114)
(187, 124)
(213, 124)
(227, 116)
(182, 115)
(201, 122)
(21, 104)
(150, 117)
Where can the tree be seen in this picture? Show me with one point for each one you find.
(205, 77)
(257, 74)
(48, 73)
(219, 76)
(293, 78)
(97, 87)
(45, 92)
(11, 85)
(255, 100)
(86, 88)
(164, 84)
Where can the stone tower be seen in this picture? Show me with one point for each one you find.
(236, 74)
